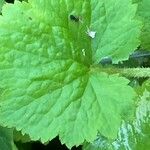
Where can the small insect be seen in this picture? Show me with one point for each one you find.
(90, 33)
(74, 18)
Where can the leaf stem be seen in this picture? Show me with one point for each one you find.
(128, 72)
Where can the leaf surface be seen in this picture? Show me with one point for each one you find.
(144, 13)
(49, 85)
(134, 136)
(117, 29)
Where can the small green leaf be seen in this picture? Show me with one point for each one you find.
(6, 139)
(19, 137)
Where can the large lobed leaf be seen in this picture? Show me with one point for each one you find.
(48, 84)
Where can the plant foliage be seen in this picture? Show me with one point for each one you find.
(135, 135)
(51, 82)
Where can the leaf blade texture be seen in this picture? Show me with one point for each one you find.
(48, 84)
(133, 135)
(143, 13)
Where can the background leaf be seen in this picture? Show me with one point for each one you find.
(6, 139)
(1, 4)
(144, 13)
(19, 137)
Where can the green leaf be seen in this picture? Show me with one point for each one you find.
(117, 29)
(1, 4)
(134, 136)
(6, 139)
(48, 84)
(144, 13)
(19, 137)
(126, 140)
(101, 143)
(44, 116)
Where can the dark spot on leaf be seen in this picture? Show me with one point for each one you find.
(30, 18)
(74, 18)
